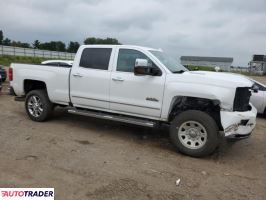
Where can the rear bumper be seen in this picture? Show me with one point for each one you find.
(11, 91)
(238, 125)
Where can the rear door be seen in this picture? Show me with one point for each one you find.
(89, 81)
(135, 95)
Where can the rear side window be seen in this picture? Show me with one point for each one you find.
(95, 58)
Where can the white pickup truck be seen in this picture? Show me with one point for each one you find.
(142, 86)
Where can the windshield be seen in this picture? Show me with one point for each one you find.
(172, 64)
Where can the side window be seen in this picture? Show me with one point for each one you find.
(127, 58)
(95, 58)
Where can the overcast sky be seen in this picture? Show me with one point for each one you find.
(233, 28)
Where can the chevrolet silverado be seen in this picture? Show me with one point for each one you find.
(142, 86)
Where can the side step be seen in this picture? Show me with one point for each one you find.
(113, 117)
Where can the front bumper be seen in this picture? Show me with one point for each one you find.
(238, 125)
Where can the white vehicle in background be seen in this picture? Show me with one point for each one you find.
(58, 63)
(258, 99)
(141, 86)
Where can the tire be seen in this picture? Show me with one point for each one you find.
(194, 133)
(38, 106)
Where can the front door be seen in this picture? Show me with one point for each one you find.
(135, 95)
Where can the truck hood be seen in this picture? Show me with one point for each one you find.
(209, 85)
(219, 79)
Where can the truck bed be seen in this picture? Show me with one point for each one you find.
(55, 78)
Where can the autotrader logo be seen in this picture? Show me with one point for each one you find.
(26, 193)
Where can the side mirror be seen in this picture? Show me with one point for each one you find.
(143, 67)
(255, 88)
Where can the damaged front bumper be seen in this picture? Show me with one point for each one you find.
(238, 125)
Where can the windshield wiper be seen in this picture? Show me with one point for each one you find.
(179, 72)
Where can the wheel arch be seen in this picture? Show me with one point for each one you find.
(30, 85)
(180, 104)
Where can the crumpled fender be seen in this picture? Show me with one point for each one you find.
(224, 95)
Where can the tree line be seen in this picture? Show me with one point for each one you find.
(72, 46)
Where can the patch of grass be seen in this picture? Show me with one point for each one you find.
(199, 68)
(7, 60)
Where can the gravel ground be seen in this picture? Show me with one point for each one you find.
(86, 158)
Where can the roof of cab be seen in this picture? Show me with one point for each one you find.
(121, 46)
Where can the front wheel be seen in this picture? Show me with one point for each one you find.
(194, 133)
(38, 106)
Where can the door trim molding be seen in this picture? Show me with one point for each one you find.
(116, 102)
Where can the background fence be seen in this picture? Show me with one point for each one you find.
(18, 51)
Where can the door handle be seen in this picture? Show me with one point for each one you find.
(118, 79)
(77, 75)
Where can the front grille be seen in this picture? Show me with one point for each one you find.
(241, 101)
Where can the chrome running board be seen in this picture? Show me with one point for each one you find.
(113, 117)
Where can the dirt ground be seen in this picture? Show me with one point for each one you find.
(86, 158)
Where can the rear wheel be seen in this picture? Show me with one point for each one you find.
(194, 133)
(38, 106)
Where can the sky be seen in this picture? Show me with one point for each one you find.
(228, 28)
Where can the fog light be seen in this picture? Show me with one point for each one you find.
(244, 122)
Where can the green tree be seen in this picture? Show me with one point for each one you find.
(73, 47)
(36, 44)
(53, 46)
(44, 46)
(48, 46)
(25, 45)
(1, 37)
(20, 44)
(60, 46)
(7, 42)
(111, 41)
(93, 40)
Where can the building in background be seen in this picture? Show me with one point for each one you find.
(224, 63)
(258, 64)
